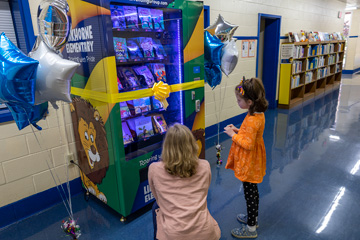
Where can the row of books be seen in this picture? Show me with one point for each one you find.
(312, 63)
(321, 62)
(296, 66)
(139, 76)
(137, 49)
(314, 36)
(127, 17)
(298, 51)
(338, 68)
(309, 77)
(135, 107)
(143, 128)
(295, 81)
(339, 47)
(332, 59)
(322, 72)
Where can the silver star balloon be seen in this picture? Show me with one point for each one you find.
(53, 77)
(222, 29)
(54, 23)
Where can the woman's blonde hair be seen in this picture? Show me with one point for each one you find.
(179, 152)
(254, 90)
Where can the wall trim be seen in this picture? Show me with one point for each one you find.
(36, 203)
(246, 37)
(351, 71)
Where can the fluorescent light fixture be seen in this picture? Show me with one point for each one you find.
(355, 168)
(333, 206)
(350, 8)
(334, 138)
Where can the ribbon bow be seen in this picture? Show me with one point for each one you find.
(161, 92)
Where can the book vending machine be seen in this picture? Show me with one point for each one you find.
(125, 47)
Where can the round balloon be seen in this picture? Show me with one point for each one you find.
(212, 49)
(229, 57)
(53, 23)
(212, 74)
(53, 75)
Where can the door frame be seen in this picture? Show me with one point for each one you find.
(271, 90)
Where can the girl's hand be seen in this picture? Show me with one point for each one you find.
(229, 131)
(231, 126)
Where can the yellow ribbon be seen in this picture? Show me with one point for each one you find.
(161, 92)
(131, 95)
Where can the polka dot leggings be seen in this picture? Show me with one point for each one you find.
(252, 202)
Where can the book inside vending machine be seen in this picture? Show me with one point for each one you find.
(125, 47)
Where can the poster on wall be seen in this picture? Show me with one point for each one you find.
(252, 48)
(245, 49)
(286, 51)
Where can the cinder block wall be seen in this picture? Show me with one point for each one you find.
(23, 168)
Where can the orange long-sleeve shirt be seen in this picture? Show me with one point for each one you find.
(247, 155)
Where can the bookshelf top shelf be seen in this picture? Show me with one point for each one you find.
(314, 43)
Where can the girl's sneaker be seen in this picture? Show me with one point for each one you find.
(244, 218)
(243, 232)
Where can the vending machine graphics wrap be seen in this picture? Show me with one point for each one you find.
(124, 47)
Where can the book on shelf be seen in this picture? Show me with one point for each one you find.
(339, 47)
(331, 48)
(313, 50)
(124, 110)
(337, 57)
(127, 136)
(143, 127)
(159, 123)
(142, 105)
(337, 68)
(295, 81)
(312, 63)
(321, 73)
(331, 59)
(325, 49)
(321, 61)
(298, 51)
(297, 66)
(308, 77)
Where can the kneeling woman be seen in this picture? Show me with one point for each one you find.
(180, 184)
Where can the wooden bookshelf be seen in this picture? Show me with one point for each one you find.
(314, 69)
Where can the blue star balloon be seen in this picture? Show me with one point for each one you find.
(17, 84)
(212, 74)
(213, 47)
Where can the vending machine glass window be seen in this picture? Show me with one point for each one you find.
(148, 49)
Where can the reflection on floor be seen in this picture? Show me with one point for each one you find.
(311, 189)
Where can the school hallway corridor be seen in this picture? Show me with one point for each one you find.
(311, 189)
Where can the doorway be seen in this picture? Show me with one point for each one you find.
(268, 55)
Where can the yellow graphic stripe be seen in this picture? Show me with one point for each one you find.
(127, 96)
(195, 46)
(80, 10)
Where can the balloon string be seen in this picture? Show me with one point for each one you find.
(68, 152)
(52, 174)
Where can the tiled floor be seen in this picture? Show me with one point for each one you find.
(311, 189)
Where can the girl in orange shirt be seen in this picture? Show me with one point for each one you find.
(247, 155)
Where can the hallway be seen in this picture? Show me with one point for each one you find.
(311, 189)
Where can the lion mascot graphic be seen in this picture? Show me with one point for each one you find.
(199, 135)
(91, 144)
